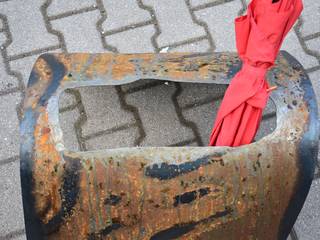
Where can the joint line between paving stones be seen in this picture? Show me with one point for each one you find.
(34, 52)
(128, 27)
(312, 69)
(189, 41)
(17, 75)
(155, 23)
(184, 143)
(152, 84)
(48, 25)
(311, 36)
(13, 235)
(297, 30)
(210, 4)
(293, 234)
(99, 28)
(202, 24)
(9, 160)
(202, 102)
(135, 111)
(109, 131)
(10, 91)
(182, 120)
(73, 12)
(244, 7)
(81, 120)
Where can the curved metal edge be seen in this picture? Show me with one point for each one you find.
(307, 152)
(33, 226)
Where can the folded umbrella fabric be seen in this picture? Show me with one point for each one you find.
(259, 36)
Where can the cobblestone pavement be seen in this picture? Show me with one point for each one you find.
(95, 118)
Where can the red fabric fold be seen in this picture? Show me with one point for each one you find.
(259, 36)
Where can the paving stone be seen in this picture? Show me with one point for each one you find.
(9, 125)
(307, 225)
(20, 237)
(72, 29)
(314, 45)
(66, 100)
(23, 66)
(200, 46)
(203, 116)
(11, 211)
(122, 13)
(181, 28)
(3, 38)
(61, 6)
(194, 93)
(195, 3)
(67, 123)
(292, 45)
(266, 127)
(158, 115)
(315, 79)
(137, 40)
(220, 20)
(27, 26)
(103, 109)
(311, 17)
(115, 139)
(7, 81)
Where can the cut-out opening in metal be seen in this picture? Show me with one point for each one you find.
(144, 113)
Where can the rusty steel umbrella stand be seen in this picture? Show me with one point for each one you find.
(254, 191)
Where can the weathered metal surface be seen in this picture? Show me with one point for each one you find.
(250, 192)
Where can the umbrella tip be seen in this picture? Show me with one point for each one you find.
(272, 88)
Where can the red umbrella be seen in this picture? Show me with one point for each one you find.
(259, 36)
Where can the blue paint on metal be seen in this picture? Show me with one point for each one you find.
(58, 72)
(31, 219)
(308, 151)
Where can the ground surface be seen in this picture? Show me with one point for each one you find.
(127, 116)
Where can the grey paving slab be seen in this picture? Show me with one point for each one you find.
(292, 45)
(123, 13)
(103, 110)
(311, 17)
(220, 20)
(203, 117)
(134, 40)
(9, 126)
(174, 21)
(67, 121)
(11, 214)
(315, 79)
(67, 100)
(7, 81)
(308, 223)
(72, 29)
(192, 94)
(61, 6)
(159, 117)
(314, 45)
(114, 139)
(27, 27)
(23, 67)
